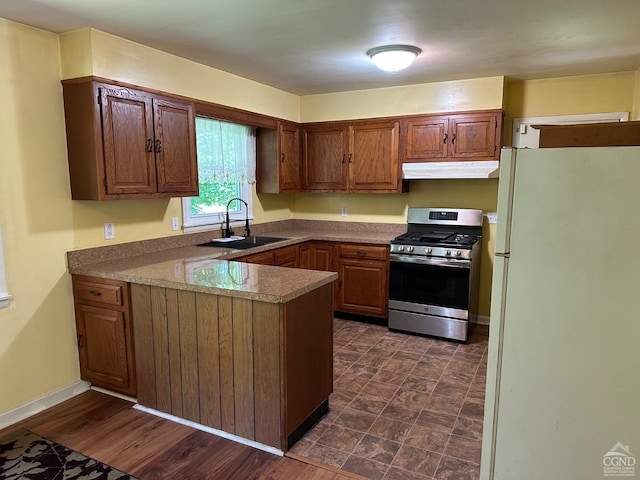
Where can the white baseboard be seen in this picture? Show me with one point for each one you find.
(42, 403)
(483, 320)
(214, 431)
(114, 394)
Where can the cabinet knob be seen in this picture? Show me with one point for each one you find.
(445, 138)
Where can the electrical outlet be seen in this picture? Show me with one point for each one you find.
(344, 211)
(174, 224)
(492, 217)
(109, 231)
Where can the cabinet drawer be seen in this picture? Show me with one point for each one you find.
(369, 252)
(86, 291)
(286, 255)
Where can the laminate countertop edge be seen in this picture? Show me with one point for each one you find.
(213, 270)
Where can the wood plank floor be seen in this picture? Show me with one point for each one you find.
(148, 447)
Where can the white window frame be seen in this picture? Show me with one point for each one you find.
(5, 297)
(526, 137)
(191, 223)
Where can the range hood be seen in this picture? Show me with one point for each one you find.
(433, 170)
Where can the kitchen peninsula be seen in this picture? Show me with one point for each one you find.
(242, 348)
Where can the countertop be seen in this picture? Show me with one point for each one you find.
(212, 269)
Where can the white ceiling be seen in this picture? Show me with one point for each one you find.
(318, 46)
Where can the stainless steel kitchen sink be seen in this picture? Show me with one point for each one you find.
(242, 243)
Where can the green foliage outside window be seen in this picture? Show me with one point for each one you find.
(214, 197)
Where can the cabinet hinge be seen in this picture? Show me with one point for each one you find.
(496, 123)
(99, 96)
(495, 147)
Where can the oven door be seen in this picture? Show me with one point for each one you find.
(427, 285)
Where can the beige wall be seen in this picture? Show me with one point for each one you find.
(610, 92)
(37, 344)
(474, 94)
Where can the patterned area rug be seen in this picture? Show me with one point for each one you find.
(25, 455)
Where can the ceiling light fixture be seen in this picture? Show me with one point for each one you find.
(392, 58)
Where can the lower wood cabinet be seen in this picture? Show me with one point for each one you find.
(254, 369)
(262, 258)
(363, 279)
(363, 269)
(104, 331)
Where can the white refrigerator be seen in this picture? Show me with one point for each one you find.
(563, 375)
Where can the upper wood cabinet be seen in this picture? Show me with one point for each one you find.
(361, 157)
(128, 143)
(373, 157)
(324, 158)
(278, 159)
(456, 137)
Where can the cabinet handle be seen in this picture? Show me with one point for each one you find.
(149, 145)
(343, 157)
(445, 138)
(95, 293)
(453, 139)
(80, 341)
(350, 157)
(362, 253)
(158, 146)
(282, 158)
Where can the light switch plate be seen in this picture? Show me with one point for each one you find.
(344, 211)
(174, 224)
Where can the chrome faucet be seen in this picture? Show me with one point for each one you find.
(227, 231)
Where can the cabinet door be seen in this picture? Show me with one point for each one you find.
(102, 346)
(474, 137)
(323, 257)
(175, 147)
(324, 159)
(427, 138)
(373, 157)
(262, 258)
(127, 131)
(304, 256)
(362, 287)
(289, 136)
(286, 256)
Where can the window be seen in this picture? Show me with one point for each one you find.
(226, 169)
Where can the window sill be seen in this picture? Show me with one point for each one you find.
(5, 300)
(201, 227)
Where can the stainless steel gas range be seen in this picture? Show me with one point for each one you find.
(434, 277)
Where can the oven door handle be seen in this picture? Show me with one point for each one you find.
(453, 262)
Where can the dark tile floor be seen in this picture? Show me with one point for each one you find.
(403, 408)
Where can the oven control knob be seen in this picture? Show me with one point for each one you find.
(409, 248)
(401, 248)
(448, 252)
(428, 250)
(458, 253)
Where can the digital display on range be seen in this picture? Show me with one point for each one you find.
(443, 216)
